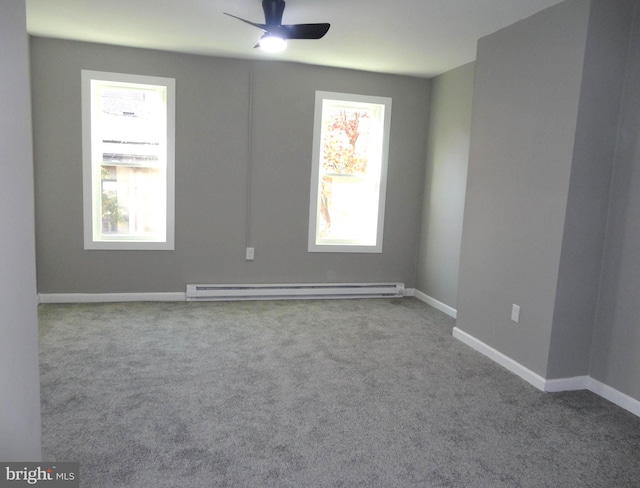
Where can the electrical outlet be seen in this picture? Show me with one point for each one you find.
(515, 313)
(250, 253)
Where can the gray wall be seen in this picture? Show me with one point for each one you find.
(616, 344)
(212, 160)
(525, 107)
(19, 380)
(588, 199)
(551, 212)
(445, 184)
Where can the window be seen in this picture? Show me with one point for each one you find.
(349, 173)
(128, 135)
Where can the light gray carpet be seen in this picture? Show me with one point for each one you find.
(346, 393)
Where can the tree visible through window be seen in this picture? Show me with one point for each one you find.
(349, 173)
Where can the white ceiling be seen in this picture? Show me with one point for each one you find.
(412, 37)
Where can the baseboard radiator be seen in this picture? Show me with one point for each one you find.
(295, 291)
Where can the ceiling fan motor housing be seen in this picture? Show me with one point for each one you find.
(273, 11)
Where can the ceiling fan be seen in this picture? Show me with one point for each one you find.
(275, 33)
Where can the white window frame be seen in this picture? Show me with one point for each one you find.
(91, 171)
(314, 244)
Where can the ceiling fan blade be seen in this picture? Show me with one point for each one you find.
(273, 10)
(259, 26)
(304, 31)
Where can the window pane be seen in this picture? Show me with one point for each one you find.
(131, 133)
(132, 117)
(350, 173)
(132, 201)
(348, 210)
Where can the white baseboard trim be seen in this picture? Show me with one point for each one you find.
(438, 305)
(567, 384)
(504, 361)
(615, 396)
(555, 385)
(110, 297)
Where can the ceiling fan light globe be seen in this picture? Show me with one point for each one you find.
(273, 44)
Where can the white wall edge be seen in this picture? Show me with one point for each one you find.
(505, 361)
(110, 297)
(409, 292)
(443, 307)
(555, 385)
